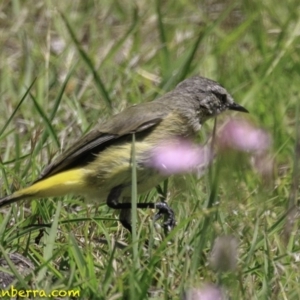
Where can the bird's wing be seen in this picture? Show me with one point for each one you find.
(134, 119)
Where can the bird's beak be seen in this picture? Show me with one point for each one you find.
(237, 107)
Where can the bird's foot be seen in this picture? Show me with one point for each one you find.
(165, 210)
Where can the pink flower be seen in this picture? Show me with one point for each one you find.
(243, 136)
(208, 292)
(179, 156)
(224, 254)
(263, 164)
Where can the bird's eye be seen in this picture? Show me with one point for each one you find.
(222, 97)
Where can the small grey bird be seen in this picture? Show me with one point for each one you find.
(98, 166)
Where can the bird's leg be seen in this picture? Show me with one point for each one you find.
(163, 209)
(113, 202)
(114, 196)
(125, 219)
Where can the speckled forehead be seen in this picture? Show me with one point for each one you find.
(218, 89)
(208, 99)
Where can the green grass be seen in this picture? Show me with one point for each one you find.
(67, 65)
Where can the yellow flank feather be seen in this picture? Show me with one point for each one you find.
(61, 184)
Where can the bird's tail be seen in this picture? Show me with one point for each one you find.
(68, 182)
(9, 199)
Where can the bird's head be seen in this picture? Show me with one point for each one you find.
(212, 98)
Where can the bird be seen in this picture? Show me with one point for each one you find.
(98, 166)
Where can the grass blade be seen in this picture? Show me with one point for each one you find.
(134, 206)
(89, 63)
(18, 106)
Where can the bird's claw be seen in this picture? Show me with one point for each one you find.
(165, 210)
